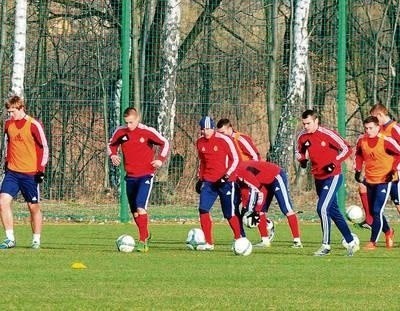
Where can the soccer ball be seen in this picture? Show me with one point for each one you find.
(356, 239)
(242, 247)
(271, 228)
(125, 243)
(355, 214)
(195, 237)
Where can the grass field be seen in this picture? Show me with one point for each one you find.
(170, 277)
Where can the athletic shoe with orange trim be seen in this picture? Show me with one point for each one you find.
(370, 246)
(389, 237)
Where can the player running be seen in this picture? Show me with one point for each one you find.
(380, 156)
(137, 142)
(218, 160)
(326, 150)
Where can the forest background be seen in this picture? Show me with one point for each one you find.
(258, 63)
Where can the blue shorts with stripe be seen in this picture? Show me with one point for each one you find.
(138, 190)
(15, 182)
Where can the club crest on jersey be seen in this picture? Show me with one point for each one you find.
(142, 140)
(323, 143)
(215, 148)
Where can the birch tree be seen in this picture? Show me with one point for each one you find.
(171, 41)
(283, 148)
(18, 73)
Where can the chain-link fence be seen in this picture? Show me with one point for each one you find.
(234, 61)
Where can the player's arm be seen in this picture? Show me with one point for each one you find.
(117, 138)
(358, 161)
(42, 148)
(248, 147)
(337, 142)
(393, 148)
(157, 139)
(300, 152)
(232, 155)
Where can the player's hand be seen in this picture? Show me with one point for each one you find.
(199, 184)
(221, 181)
(389, 177)
(329, 168)
(39, 177)
(303, 163)
(251, 219)
(357, 177)
(115, 160)
(156, 163)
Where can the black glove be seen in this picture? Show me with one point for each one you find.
(389, 177)
(221, 181)
(199, 183)
(39, 177)
(329, 168)
(357, 177)
(303, 163)
(251, 219)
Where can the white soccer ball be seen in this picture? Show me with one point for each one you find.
(195, 237)
(356, 240)
(125, 243)
(242, 247)
(355, 214)
(271, 229)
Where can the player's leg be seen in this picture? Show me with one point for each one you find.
(226, 194)
(378, 196)
(30, 191)
(362, 191)
(208, 195)
(281, 192)
(9, 189)
(141, 217)
(395, 194)
(263, 226)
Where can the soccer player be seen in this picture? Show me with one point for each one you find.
(246, 150)
(326, 150)
(391, 128)
(136, 142)
(380, 156)
(218, 160)
(26, 157)
(266, 180)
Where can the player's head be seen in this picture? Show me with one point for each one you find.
(224, 126)
(381, 112)
(131, 117)
(310, 120)
(15, 106)
(207, 127)
(371, 126)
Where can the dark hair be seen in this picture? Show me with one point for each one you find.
(223, 122)
(309, 113)
(371, 119)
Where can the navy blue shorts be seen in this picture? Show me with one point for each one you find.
(138, 190)
(14, 182)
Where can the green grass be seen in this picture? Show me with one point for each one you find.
(170, 277)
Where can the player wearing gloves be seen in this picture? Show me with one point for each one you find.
(137, 142)
(26, 157)
(326, 150)
(380, 156)
(259, 182)
(218, 160)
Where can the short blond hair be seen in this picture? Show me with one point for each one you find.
(15, 101)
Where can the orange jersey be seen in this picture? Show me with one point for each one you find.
(245, 147)
(374, 153)
(27, 150)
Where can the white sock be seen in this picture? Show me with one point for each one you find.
(36, 238)
(297, 240)
(10, 234)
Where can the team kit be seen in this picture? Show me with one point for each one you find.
(230, 170)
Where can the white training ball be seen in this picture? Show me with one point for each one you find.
(195, 237)
(356, 240)
(242, 247)
(355, 214)
(125, 243)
